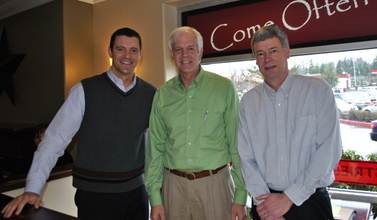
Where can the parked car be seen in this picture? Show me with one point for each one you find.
(356, 98)
(344, 107)
(373, 134)
(370, 108)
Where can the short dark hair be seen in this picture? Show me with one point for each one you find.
(124, 32)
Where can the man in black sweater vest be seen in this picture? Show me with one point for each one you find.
(110, 114)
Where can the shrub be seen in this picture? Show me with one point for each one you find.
(351, 155)
(372, 157)
(359, 115)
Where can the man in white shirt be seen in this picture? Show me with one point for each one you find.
(110, 112)
(288, 138)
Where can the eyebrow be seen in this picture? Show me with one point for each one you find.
(122, 46)
(271, 48)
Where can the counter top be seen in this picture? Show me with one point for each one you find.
(29, 213)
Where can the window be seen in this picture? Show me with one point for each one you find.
(353, 78)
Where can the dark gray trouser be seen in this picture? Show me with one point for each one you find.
(317, 207)
(130, 205)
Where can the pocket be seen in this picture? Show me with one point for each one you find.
(213, 122)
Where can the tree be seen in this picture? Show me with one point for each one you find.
(361, 67)
(345, 66)
(328, 73)
(298, 69)
(246, 79)
(362, 71)
(358, 68)
(374, 63)
(314, 69)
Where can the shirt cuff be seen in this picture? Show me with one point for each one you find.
(155, 198)
(34, 187)
(298, 195)
(240, 197)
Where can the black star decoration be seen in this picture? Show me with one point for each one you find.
(8, 66)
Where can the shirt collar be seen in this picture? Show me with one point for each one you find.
(284, 88)
(199, 78)
(119, 83)
(195, 83)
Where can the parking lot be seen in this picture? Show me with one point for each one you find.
(357, 139)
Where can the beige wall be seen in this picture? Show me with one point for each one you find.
(78, 42)
(153, 19)
(145, 16)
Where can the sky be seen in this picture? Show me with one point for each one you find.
(367, 55)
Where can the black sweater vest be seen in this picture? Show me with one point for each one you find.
(111, 146)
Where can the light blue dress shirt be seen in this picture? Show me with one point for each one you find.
(59, 134)
(289, 139)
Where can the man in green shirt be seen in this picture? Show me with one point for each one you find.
(193, 127)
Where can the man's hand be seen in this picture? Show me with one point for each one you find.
(158, 213)
(274, 205)
(17, 204)
(238, 211)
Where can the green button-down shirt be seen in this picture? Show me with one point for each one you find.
(193, 129)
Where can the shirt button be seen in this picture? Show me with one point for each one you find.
(189, 143)
(190, 96)
(189, 111)
(189, 127)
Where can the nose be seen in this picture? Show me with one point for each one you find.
(127, 53)
(267, 57)
(185, 52)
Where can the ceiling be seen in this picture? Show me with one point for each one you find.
(12, 7)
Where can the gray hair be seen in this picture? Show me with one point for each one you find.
(185, 29)
(268, 32)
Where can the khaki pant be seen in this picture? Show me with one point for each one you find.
(207, 198)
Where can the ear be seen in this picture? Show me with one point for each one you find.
(171, 55)
(200, 54)
(288, 52)
(110, 52)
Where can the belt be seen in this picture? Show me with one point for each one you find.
(317, 190)
(196, 175)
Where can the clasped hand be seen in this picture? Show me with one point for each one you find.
(273, 206)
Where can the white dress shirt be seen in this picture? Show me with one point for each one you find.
(289, 139)
(59, 134)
